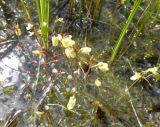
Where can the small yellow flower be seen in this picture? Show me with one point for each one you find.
(67, 42)
(85, 50)
(29, 26)
(152, 70)
(70, 53)
(36, 52)
(136, 76)
(56, 40)
(30, 34)
(39, 113)
(72, 102)
(17, 30)
(103, 66)
(97, 82)
(61, 20)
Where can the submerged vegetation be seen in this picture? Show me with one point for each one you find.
(85, 63)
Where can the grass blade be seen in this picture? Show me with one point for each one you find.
(125, 29)
(43, 13)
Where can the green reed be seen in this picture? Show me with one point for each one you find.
(92, 7)
(43, 7)
(149, 13)
(125, 29)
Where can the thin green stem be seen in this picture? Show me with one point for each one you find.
(43, 7)
(125, 29)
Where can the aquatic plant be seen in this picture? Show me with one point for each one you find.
(93, 8)
(149, 13)
(73, 83)
(43, 7)
(125, 29)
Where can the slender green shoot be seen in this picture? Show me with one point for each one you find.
(125, 29)
(71, 6)
(97, 8)
(147, 14)
(100, 8)
(80, 9)
(43, 13)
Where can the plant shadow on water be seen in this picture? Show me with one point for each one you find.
(79, 80)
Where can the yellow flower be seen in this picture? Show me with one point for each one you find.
(85, 50)
(70, 53)
(36, 52)
(103, 66)
(56, 40)
(61, 20)
(152, 70)
(17, 30)
(67, 42)
(97, 82)
(136, 76)
(30, 34)
(29, 26)
(72, 102)
(39, 113)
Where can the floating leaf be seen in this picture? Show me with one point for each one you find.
(72, 102)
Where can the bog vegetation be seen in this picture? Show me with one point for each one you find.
(96, 62)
